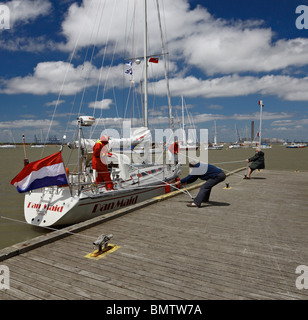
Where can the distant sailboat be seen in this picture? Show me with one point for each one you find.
(236, 145)
(9, 146)
(294, 145)
(184, 144)
(259, 134)
(38, 142)
(215, 145)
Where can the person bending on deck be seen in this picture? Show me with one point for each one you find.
(99, 162)
(257, 162)
(203, 171)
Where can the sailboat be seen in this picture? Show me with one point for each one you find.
(38, 142)
(214, 145)
(294, 145)
(186, 144)
(9, 146)
(81, 199)
(236, 145)
(259, 134)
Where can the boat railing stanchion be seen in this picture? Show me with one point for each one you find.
(79, 154)
(66, 173)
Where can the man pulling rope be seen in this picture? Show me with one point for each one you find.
(208, 172)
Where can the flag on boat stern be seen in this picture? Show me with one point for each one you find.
(49, 171)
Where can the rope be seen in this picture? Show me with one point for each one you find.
(216, 163)
(192, 158)
(228, 162)
(49, 228)
(165, 183)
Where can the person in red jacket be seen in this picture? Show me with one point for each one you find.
(100, 164)
(173, 150)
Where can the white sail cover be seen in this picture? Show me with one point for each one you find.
(138, 136)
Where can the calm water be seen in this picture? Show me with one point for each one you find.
(11, 162)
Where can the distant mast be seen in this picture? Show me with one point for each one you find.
(215, 135)
(252, 136)
(260, 131)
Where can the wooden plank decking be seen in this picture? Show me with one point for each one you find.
(245, 244)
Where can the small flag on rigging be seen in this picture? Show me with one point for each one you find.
(153, 60)
(130, 70)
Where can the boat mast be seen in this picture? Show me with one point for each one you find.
(215, 136)
(79, 154)
(145, 49)
(261, 106)
(171, 119)
(183, 124)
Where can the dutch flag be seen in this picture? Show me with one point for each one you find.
(46, 172)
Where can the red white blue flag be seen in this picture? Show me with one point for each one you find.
(46, 172)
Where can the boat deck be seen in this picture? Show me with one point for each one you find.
(245, 244)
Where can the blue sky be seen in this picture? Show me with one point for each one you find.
(223, 57)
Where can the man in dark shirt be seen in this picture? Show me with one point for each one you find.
(203, 171)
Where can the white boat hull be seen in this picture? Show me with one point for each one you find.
(8, 146)
(296, 145)
(235, 146)
(54, 206)
(189, 147)
(220, 147)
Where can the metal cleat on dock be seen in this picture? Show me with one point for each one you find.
(227, 186)
(102, 242)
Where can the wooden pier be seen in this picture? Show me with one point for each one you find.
(245, 244)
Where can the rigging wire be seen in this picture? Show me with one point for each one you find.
(82, 27)
(165, 67)
(92, 55)
(102, 68)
